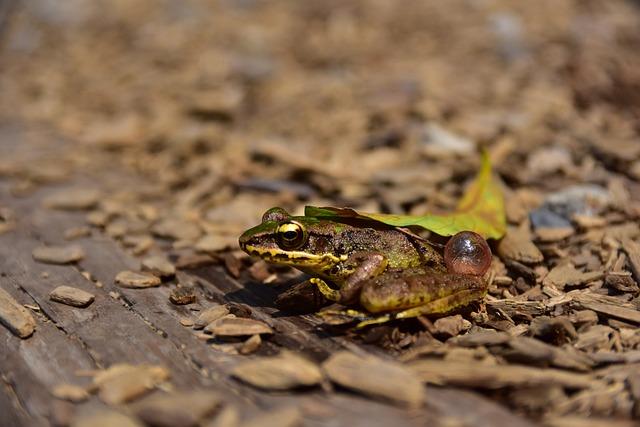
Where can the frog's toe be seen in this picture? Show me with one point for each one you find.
(325, 289)
(375, 321)
(337, 317)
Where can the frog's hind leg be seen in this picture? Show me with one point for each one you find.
(442, 305)
(439, 306)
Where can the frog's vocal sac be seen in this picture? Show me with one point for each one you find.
(383, 269)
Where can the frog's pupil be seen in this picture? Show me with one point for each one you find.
(290, 235)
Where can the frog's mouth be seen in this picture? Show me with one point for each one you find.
(294, 258)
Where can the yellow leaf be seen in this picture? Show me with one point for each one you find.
(481, 209)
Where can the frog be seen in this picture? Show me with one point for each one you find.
(377, 271)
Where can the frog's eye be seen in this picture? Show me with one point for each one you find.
(275, 214)
(467, 253)
(291, 235)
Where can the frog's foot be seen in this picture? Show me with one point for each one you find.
(342, 317)
(326, 290)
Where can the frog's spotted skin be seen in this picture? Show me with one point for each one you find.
(380, 268)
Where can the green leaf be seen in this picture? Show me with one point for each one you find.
(481, 209)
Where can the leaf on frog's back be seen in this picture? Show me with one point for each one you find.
(481, 209)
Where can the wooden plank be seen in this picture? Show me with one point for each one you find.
(146, 328)
(11, 411)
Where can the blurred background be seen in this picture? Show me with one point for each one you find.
(170, 126)
(226, 108)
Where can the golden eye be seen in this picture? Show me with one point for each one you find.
(291, 235)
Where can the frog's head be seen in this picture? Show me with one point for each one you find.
(299, 241)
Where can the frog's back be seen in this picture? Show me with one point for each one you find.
(401, 249)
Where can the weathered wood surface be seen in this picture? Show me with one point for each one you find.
(141, 326)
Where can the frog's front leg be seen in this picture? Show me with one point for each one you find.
(326, 290)
(358, 268)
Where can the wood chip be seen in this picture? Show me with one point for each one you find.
(215, 243)
(74, 199)
(186, 322)
(284, 417)
(284, 372)
(58, 254)
(210, 315)
(517, 245)
(98, 218)
(70, 392)
(71, 296)
(478, 338)
(182, 295)
(451, 326)
(252, 344)
(103, 417)
(553, 234)
(535, 351)
(123, 383)
(621, 283)
(159, 266)
(558, 330)
(606, 305)
(375, 377)
(232, 263)
(192, 261)
(229, 416)
(496, 376)
(237, 326)
(633, 252)
(567, 275)
(6, 227)
(515, 307)
(576, 421)
(15, 317)
(589, 221)
(61, 413)
(136, 280)
(77, 233)
(177, 229)
(177, 409)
